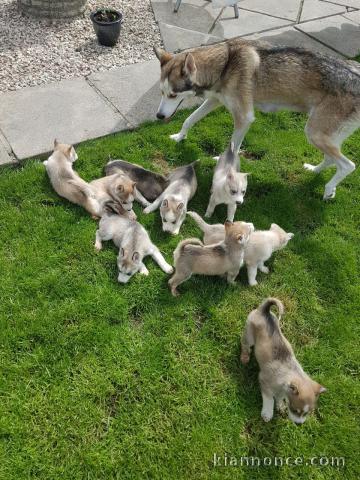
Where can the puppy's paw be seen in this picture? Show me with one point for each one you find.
(264, 269)
(132, 215)
(309, 167)
(216, 158)
(175, 293)
(253, 284)
(244, 358)
(178, 137)
(208, 214)
(169, 269)
(329, 193)
(144, 271)
(98, 247)
(147, 210)
(266, 416)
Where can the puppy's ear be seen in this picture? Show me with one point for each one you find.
(293, 389)
(120, 188)
(165, 203)
(240, 238)
(290, 235)
(228, 224)
(232, 147)
(180, 206)
(162, 55)
(190, 66)
(122, 252)
(68, 151)
(136, 256)
(56, 143)
(319, 388)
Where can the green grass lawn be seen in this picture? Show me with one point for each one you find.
(101, 380)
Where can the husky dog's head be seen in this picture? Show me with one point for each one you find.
(67, 150)
(283, 236)
(302, 395)
(235, 186)
(238, 232)
(173, 213)
(122, 190)
(178, 75)
(128, 263)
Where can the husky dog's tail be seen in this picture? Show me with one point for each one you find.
(200, 222)
(271, 319)
(83, 188)
(182, 245)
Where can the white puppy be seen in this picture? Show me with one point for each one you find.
(228, 185)
(134, 244)
(262, 244)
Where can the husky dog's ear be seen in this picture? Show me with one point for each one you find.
(165, 203)
(56, 143)
(136, 256)
(293, 389)
(290, 235)
(319, 388)
(240, 238)
(120, 188)
(232, 147)
(190, 66)
(122, 252)
(180, 206)
(68, 151)
(162, 55)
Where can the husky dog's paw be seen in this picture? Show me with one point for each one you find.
(147, 210)
(144, 271)
(169, 269)
(208, 214)
(308, 166)
(253, 283)
(216, 158)
(266, 416)
(264, 269)
(329, 193)
(178, 137)
(244, 358)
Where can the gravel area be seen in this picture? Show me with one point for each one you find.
(35, 52)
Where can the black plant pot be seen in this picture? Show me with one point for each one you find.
(107, 32)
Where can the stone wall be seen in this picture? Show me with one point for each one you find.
(52, 8)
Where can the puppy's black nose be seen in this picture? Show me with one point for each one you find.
(160, 116)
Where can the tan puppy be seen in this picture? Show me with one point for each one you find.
(224, 258)
(67, 183)
(262, 244)
(281, 376)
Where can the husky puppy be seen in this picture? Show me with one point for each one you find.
(262, 244)
(134, 244)
(67, 183)
(228, 185)
(149, 184)
(224, 258)
(243, 74)
(174, 199)
(281, 376)
(118, 188)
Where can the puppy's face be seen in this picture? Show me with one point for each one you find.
(67, 150)
(235, 186)
(302, 398)
(178, 73)
(123, 190)
(128, 264)
(284, 237)
(238, 232)
(172, 214)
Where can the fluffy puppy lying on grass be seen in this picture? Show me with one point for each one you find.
(281, 375)
(224, 258)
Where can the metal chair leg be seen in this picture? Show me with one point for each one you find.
(177, 5)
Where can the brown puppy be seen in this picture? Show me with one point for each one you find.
(281, 376)
(224, 258)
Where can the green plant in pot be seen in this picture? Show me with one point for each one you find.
(107, 25)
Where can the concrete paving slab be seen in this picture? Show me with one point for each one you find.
(5, 152)
(134, 90)
(313, 9)
(337, 32)
(175, 38)
(70, 110)
(348, 3)
(289, 36)
(192, 15)
(353, 16)
(287, 9)
(246, 24)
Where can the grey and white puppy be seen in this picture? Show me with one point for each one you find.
(228, 185)
(281, 375)
(262, 244)
(149, 184)
(174, 199)
(134, 244)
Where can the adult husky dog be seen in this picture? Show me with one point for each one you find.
(243, 74)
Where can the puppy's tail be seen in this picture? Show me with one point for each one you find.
(200, 222)
(179, 250)
(83, 187)
(265, 307)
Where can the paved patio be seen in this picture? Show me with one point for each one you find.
(120, 99)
